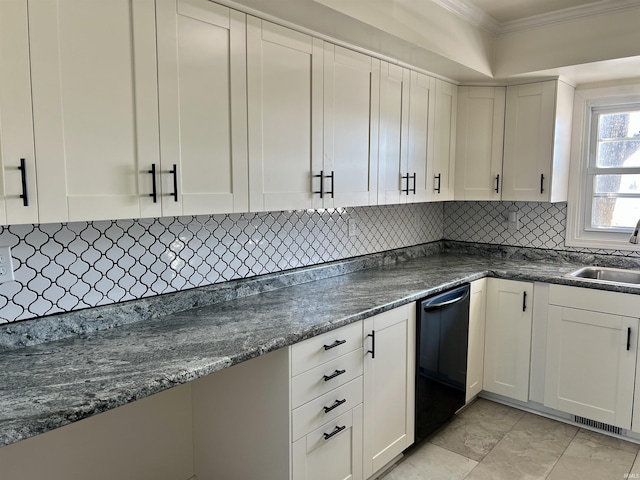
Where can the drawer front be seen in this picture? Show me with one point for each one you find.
(615, 303)
(328, 346)
(314, 414)
(320, 380)
(334, 456)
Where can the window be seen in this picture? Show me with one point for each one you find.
(613, 174)
(604, 199)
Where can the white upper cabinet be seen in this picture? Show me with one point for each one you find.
(537, 141)
(351, 110)
(18, 195)
(202, 100)
(441, 171)
(479, 137)
(514, 143)
(407, 109)
(420, 173)
(285, 116)
(393, 178)
(94, 77)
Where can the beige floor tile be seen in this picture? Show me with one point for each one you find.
(635, 469)
(431, 462)
(569, 467)
(595, 456)
(528, 451)
(475, 431)
(588, 444)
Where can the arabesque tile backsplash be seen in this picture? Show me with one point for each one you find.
(65, 267)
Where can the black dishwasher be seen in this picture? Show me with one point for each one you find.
(441, 358)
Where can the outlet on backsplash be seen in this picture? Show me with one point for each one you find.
(353, 227)
(513, 220)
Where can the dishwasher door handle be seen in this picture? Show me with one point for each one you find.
(435, 306)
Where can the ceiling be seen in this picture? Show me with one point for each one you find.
(479, 41)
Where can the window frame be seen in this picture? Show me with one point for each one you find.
(587, 103)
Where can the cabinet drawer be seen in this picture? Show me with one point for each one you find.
(312, 415)
(326, 377)
(318, 350)
(316, 457)
(615, 303)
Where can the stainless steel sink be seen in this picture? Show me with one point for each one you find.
(609, 275)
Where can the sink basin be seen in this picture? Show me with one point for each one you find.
(609, 275)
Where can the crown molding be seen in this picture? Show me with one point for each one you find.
(601, 7)
(468, 12)
(474, 15)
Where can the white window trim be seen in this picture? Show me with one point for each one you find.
(576, 235)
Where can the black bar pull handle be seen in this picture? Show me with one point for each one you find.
(405, 190)
(524, 301)
(336, 404)
(333, 375)
(413, 190)
(541, 183)
(373, 344)
(439, 179)
(628, 338)
(330, 192)
(335, 344)
(321, 177)
(154, 189)
(174, 171)
(23, 175)
(498, 183)
(336, 431)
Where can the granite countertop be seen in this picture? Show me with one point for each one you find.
(53, 384)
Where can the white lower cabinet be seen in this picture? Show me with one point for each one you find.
(326, 402)
(475, 351)
(389, 386)
(508, 338)
(591, 354)
(352, 397)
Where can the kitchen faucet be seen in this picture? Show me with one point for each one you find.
(634, 237)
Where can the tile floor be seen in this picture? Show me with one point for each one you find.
(490, 441)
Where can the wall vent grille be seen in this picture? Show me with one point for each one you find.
(599, 425)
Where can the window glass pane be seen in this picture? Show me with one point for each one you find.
(616, 184)
(619, 153)
(615, 212)
(619, 125)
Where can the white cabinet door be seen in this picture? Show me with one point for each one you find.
(389, 386)
(441, 171)
(528, 141)
(285, 116)
(537, 141)
(475, 352)
(94, 82)
(479, 137)
(394, 119)
(202, 96)
(407, 112)
(332, 452)
(508, 338)
(421, 181)
(591, 361)
(351, 110)
(17, 155)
